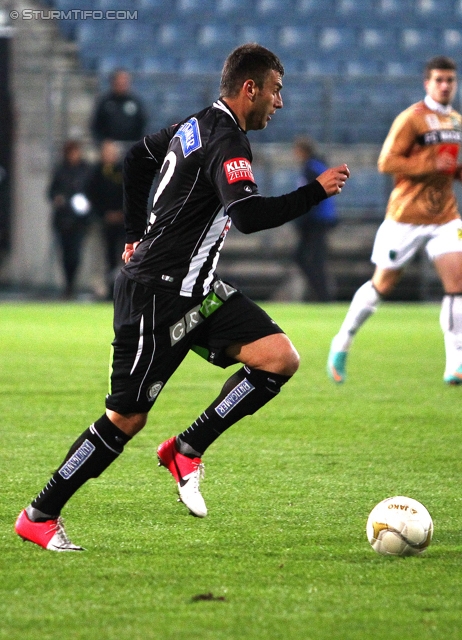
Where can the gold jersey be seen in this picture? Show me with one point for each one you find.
(421, 194)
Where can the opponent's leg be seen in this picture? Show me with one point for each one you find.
(363, 305)
(451, 325)
(87, 458)
(449, 268)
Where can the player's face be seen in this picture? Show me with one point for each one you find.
(267, 100)
(441, 85)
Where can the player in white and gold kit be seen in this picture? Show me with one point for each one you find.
(421, 151)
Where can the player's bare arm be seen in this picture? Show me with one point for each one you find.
(415, 165)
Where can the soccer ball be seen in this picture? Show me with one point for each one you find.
(399, 526)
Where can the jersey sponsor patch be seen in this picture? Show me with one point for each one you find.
(195, 316)
(238, 169)
(441, 136)
(77, 459)
(233, 398)
(451, 150)
(189, 322)
(189, 136)
(223, 289)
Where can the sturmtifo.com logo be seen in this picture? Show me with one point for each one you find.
(73, 14)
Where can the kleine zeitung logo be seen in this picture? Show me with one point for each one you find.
(238, 169)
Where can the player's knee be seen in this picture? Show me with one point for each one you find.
(286, 358)
(292, 362)
(385, 281)
(138, 421)
(130, 424)
(274, 353)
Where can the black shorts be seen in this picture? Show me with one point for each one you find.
(154, 331)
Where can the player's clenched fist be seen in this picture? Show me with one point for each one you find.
(129, 251)
(333, 180)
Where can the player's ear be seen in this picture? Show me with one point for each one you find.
(250, 89)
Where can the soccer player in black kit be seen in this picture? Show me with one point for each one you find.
(168, 298)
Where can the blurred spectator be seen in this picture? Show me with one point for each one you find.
(70, 209)
(105, 192)
(119, 114)
(312, 228)
(6, 164)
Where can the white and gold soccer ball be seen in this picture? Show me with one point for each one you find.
(399, 526)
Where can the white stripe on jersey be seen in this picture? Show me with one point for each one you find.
(219, 105)
(140, 345)
(209, 278)
(153, 346)
(217, 228)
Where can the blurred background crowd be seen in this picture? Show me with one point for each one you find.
(81, 80)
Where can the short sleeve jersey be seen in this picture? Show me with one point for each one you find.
(421, 195)
(206, 168)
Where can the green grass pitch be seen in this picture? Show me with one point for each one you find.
(283, 553)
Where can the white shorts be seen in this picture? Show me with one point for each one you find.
(396, 243)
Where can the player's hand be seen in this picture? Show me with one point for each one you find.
(333, 180)
(445, 163)
(129, 251)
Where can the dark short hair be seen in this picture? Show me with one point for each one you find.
(248, 61)
(439, 62)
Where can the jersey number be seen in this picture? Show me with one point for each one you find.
(170, 159)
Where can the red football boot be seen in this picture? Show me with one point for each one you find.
(187, 473)
(49, 535)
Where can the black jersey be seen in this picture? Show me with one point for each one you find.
(205, 175)
(206, 167)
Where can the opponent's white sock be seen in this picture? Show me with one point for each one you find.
(451, 325)
(364, 304)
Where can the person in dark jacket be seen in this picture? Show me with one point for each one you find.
(119, 114)
(71, 209)
(312, 247)
(105, 192)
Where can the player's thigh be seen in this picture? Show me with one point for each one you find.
(449, 269)
(385, 280)
(445, 238)
(396, 243)
(445, 249)
(274, 353)
(239, 321)
(145, 354)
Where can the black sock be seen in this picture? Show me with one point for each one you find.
(242, 395)
(88, 457)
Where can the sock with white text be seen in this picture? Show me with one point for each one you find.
(88, 457)
(242, 395)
